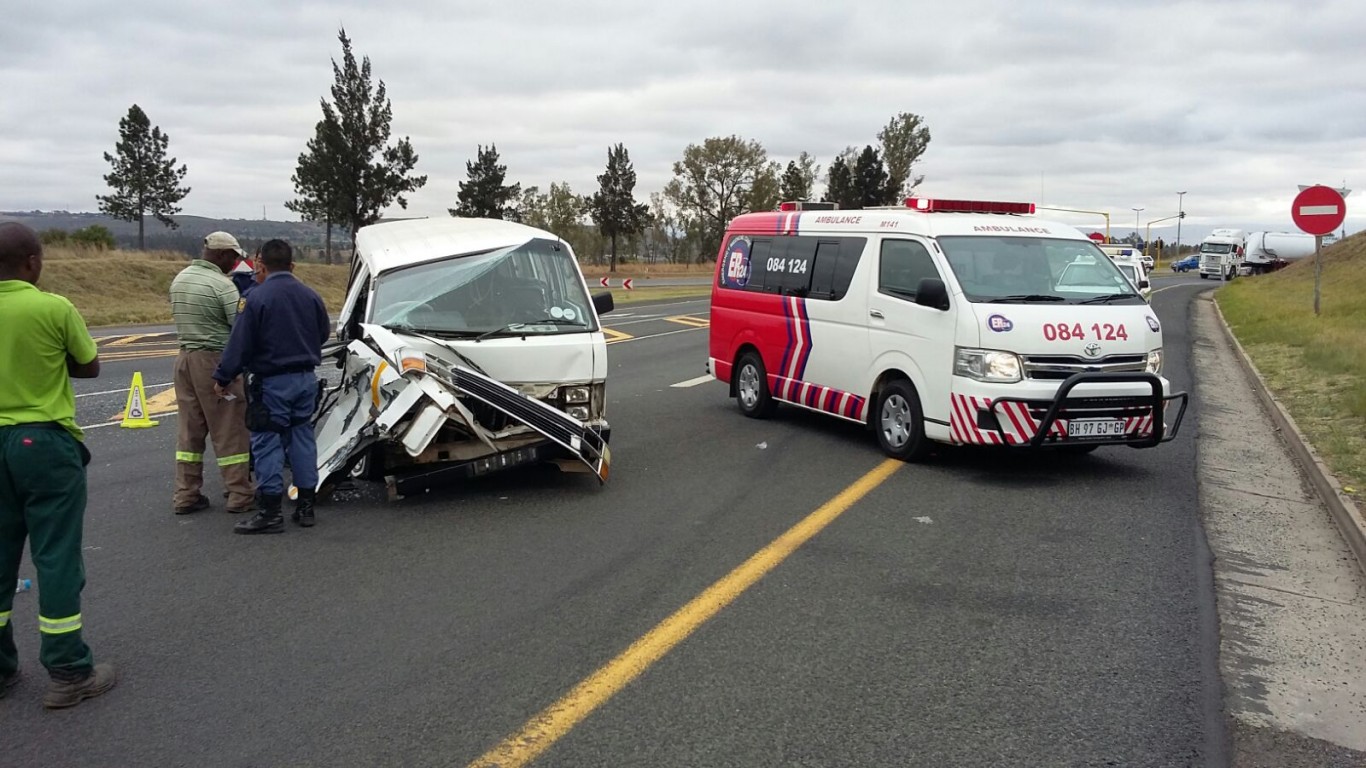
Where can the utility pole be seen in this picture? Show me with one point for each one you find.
(1180, 198)
(1136, 212)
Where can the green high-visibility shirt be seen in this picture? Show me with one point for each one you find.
(37, 332)
(204, 306)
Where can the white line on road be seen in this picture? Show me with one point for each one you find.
(122, 391)
(657, 335)
(694, 382)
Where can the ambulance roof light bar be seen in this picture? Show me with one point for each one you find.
(806, 205)
(939, 205)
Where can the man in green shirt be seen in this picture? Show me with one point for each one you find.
(204, 303)
(43, 341)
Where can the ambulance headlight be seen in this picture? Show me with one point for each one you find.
(986, 365)
(1154, 365)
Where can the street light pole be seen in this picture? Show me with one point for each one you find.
(1180, 197)
(1136, 212)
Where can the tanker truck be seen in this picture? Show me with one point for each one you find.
(1269, 251)
(1221, 253)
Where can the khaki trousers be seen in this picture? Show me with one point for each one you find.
(203, 413)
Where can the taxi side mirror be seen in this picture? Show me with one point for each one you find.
(603, 303)
(1143, 284)
(932, 293)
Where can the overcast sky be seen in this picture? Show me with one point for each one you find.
(1087, 104)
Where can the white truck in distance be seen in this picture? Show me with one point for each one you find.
(1269, 251)
(1221, 253)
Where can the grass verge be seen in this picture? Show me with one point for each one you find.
(1315, 365)
(621, 297)
(125, 287)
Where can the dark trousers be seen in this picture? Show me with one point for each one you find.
(290, 398)
(42, 498)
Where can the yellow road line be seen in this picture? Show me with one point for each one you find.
(138, 355)
(556, 720)
(696, 322)
(126, 340)
(613, 335)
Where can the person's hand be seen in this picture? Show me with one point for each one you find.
(220, 390)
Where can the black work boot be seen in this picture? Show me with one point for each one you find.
(303, 507)
(65, 693)
(269, 519)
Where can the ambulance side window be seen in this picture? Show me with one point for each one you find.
(833, 271)
(761, 250)
(794, 255)
(901, 267)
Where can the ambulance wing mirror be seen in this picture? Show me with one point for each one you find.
(932, 293)
(603, 303)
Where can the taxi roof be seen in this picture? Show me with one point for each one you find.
(893, 219)
(394, 244)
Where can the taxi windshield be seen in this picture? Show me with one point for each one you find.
(533, 288)
(1021, 270)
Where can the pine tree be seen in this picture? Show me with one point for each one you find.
(799, 179)
(870, 179)
(357, 167)
(839, 185)
(484, 196)
(614, 208)
(144, 181)
(317, 180)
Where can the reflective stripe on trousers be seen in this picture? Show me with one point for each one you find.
(4, 618)
(59, 626)
(191, 458)
(228, 461)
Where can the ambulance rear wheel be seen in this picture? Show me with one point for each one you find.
(751, 387)
(899, 422)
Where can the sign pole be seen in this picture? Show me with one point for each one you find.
(1318, 270)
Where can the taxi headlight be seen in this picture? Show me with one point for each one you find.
(1154, 365)
(579, 412)
(986, 365)
(575, 395)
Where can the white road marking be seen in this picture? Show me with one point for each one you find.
(694, 382)
(122, 391)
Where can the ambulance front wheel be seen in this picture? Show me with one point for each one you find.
(899, 422)
(751, 387)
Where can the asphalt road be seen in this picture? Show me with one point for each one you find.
(980, 609)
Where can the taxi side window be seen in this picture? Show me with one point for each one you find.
(901, 266)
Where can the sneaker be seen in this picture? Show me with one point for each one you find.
(198, 505)
(63, 695)
(7, 683)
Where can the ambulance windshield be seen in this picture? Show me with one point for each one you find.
(533, 288)
(1021, 270)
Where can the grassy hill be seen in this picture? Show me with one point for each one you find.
(118, 287)
(1316, 365)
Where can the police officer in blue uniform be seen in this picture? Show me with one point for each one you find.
(278, 340)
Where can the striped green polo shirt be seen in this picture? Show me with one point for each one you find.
(204, 305)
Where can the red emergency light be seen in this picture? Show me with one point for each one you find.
(937, 205)
(806, 205)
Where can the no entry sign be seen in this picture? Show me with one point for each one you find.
(1318, 210)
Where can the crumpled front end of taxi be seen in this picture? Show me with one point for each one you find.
(418, 415)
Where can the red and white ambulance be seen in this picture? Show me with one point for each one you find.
(951, 321)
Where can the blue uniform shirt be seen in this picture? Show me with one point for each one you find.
(281, 328)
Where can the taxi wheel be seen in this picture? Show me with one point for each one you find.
(751, 387)
(899, 423)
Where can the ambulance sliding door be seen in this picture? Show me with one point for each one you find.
(829, 333)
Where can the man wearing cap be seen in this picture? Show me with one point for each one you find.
(204, 304)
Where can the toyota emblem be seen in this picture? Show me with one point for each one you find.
(1092, 350)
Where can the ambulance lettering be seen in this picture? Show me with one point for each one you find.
(737, 264)
(1075, 332)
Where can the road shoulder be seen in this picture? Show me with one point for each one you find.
(1292, 601)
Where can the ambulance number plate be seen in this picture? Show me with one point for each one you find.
(1095, 428)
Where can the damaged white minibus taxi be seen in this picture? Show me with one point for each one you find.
(466, 346)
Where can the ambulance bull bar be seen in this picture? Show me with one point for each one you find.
(1062, 407)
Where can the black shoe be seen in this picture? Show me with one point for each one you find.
(268, 520)
(61, 695)
(303, 508)
(198, 505)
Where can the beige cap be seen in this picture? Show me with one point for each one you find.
(222, 241)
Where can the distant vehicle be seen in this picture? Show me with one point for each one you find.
(1132, 263)
(1186, 264)
(1269, 251)
(1221, 253)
